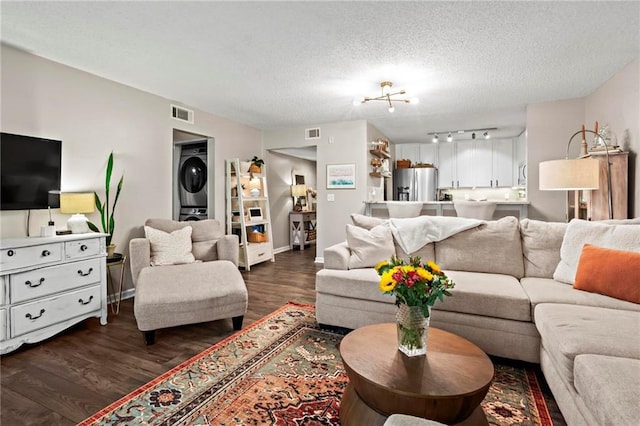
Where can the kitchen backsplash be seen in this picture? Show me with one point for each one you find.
(496, 194)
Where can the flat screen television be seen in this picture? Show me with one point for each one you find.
(30, 171)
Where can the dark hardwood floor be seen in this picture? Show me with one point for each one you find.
(67, 378)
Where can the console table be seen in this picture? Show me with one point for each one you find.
(49, 284)
(302, 229)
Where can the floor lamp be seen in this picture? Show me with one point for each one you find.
(573, 174)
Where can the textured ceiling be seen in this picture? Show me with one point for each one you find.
(283, 64)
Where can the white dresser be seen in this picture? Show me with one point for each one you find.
(49, 284)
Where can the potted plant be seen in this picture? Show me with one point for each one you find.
(107, 209)
(256, 164)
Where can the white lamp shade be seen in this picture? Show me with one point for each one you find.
(77, 202)
(298, 190)
(569, 174)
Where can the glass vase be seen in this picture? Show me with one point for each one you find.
(413, 328)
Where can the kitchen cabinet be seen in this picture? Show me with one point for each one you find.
(502, 163)
(428, 153)
(446, 165)
(409, 151)
(483, 164)
(464, 153)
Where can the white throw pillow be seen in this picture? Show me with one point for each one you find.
(581, 232)
(170, 249)
(368, 247)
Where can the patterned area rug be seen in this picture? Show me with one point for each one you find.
(284, 370)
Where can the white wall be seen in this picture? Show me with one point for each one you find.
(551, 124)
(94, 116)
(340, 143)
(617, 103)
(279, 181)
(549, 127)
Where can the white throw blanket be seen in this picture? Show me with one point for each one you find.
(415, 232)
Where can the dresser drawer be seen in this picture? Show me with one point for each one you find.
(257, 252)
(82, 248)
(46, 281)
(3, 324)
(30, 256)
(44, 312)
(4, 289)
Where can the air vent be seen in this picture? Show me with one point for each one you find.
(182, 114)
(312, 133)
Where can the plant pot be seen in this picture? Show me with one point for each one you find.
(413, 329)
(111, 249)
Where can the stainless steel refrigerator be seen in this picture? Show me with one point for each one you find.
(415, 184)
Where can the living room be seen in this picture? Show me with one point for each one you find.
(98, 112)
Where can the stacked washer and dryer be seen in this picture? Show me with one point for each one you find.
(192, 181)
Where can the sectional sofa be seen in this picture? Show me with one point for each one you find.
(507, 302)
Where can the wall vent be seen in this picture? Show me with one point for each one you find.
(182, 114)
(312, 133)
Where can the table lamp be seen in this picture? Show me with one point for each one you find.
(298, 191)
(76, 204)
(572, 174)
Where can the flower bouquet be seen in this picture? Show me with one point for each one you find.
(417, 287)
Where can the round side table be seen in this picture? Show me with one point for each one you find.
(120, 260)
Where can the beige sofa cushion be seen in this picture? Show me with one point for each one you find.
(541, 242)
(547, 290)
(205, 235)
(366, 222)
(169, 248)
(571, 330)
(356, 284)
(491, 295)
(494, 248)
(610, 387)
(368, 247)
(581, 232)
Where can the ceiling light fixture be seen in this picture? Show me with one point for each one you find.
(473, 135)
(486, 134)
(435, 138)
(449, 137)
(386, 96)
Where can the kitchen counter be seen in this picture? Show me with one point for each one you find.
(522, 206)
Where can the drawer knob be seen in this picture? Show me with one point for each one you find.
(32, 318)
(82, 274)
(10, 253)
(82, 302)
(32, 285)
(45, 253)
(83, 247)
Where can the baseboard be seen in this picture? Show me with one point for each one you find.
(281, 249)
(126, 294)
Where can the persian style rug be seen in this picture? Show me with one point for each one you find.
(284, 370)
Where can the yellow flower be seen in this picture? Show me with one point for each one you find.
(424, 274)
(381, 264)
(387, 283)
(434, 267)
(407, 268)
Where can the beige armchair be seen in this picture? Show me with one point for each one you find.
(211, 288)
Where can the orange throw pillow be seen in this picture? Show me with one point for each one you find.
(614, 273)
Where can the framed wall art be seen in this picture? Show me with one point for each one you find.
(341, 176)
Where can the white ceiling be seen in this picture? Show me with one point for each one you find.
(283, 64)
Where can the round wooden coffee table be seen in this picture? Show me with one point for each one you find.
(446, 385)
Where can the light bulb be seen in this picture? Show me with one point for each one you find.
(386, 88)
(414, 101)
(391, 109)
(486, 135)
(435, 138)
(449, 137)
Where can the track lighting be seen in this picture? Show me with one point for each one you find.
(461, 134)
(486, 134)
(386, 96)
(435, 138)
(473, 135)
(449, 137)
